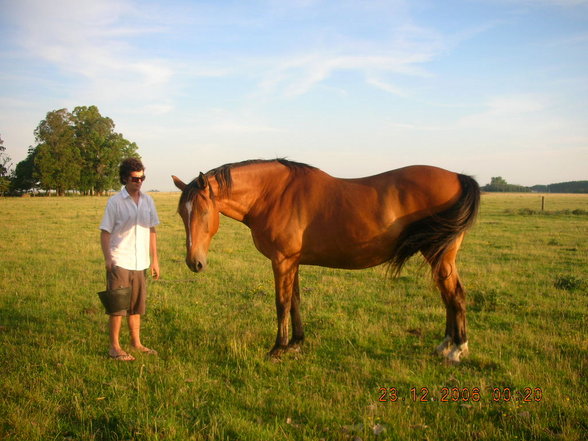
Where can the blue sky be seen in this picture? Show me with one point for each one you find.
(483, 87)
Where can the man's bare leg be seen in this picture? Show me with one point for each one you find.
(135, 330)
(115, 350)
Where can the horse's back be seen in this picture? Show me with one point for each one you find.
(353, 223)
(419, 189)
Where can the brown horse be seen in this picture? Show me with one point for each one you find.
(299, 215)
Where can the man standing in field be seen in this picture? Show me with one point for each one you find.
(128, 240)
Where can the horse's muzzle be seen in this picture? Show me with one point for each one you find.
(196, 265)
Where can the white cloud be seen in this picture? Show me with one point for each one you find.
(299, 75)
(158, 108)
(88, 40)
(385, 86)
(400, 48)
(505, 111)
(515, 104)
(95, 43)
(241, 127)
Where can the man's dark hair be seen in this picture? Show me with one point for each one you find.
(128, 166)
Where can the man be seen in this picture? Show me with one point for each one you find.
(128, 240)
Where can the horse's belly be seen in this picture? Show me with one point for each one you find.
(351, 256)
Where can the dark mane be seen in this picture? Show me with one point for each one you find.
(224, 179)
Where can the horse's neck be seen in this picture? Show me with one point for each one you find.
(250, 186)
(234, 207)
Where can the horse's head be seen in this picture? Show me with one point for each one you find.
(198, 210)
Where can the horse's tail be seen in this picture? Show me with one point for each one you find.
(434, 234)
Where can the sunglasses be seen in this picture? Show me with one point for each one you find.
(137, 178)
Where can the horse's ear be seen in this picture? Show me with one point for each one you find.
(178, 183)
(202, 181)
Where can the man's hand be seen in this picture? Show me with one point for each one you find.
(105, 243)
(154, 267)
(109, 264)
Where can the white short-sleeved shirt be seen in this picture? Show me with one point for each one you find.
(128, 225)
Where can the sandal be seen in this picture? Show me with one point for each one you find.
(122, 357)
(146, 350)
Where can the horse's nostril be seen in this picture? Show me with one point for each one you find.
(194, 265)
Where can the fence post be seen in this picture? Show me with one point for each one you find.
(542, 203)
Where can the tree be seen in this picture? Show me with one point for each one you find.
(78, 150)
(499, 184)
(124, 149)
(101, 149)
(58, 161)
(4, 169)
(23, 178)
(91, 131)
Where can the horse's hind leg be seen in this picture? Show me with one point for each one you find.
(455, 343)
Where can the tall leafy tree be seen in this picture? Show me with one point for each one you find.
(92, 132)
(78, 150)
(24, 173)
(101, 149)
(124, 149)
(58, 161)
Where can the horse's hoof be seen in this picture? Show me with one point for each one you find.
(445, 347)
(295, 345)
(454, 356)
(276, 353)
(457, 352)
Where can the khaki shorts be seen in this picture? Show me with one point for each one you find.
(122, 278)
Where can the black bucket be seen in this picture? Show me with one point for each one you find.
(116, 300)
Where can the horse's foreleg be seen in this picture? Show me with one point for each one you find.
(297, 329)
(284, 275)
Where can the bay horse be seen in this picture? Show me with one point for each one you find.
(300, 215)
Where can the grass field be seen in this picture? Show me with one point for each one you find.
(368, 338)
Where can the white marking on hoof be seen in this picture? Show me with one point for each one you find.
(457, 352)
(445, 346)
(454, 355)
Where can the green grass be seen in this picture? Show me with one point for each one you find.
(526, 274)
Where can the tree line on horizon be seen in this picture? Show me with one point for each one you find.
(499, 184)
(75, 151)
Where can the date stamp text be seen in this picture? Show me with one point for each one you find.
(460, 395)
